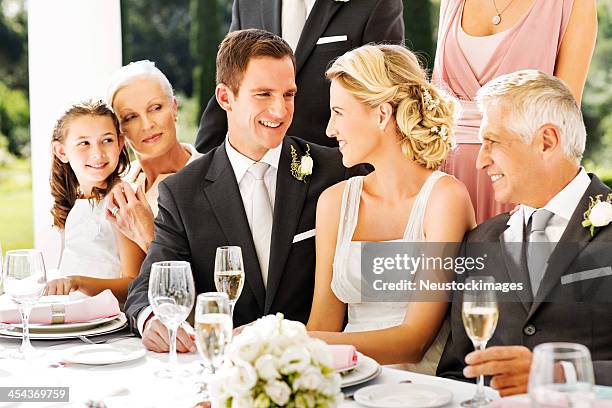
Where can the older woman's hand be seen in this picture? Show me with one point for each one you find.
(131, 214)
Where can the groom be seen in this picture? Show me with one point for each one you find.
(533, 137)
(251, 192)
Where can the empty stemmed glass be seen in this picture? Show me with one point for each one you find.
(561, 375)
(171, 295)
(213, 328)
(229, 273)
(24, 281)
(479, 313)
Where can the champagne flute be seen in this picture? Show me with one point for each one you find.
(24, 282)
(479, 313)
(561, 375)
(229, 273)
(213, 327)
(171, 295)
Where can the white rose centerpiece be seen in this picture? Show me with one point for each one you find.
(274, 363)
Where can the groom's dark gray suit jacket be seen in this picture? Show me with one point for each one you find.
(200, 209)
(361, 21)
(573, 303)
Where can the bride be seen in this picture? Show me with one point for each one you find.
(385, 112)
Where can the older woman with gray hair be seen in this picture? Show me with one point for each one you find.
(143, 100)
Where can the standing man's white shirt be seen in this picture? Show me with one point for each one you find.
(292, 23)
(562, 205)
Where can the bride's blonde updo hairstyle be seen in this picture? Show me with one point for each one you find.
(377, 74)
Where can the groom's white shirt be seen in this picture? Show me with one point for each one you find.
(562, 205)
(240, 164)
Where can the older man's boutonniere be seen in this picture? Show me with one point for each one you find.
(302, 167)
(599, 213)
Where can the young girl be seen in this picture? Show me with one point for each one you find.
(89, 156)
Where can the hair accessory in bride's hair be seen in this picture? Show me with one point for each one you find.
(430, 102)
(441, 131)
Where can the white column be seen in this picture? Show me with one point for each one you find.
(74, 46)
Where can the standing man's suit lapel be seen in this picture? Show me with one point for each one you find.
(318, 20)
(271, 16)
(316, 23)
(290, 197)
(576, 236)
(226, 202)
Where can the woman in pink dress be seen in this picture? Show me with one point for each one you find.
(479, 40)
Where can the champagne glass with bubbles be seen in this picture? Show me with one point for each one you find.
(213, 327)
(24, 281)
(171, 295)
(229, 273)
(479, 313)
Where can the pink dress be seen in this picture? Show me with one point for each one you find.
(532, 43)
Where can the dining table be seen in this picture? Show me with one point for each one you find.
(134, 383)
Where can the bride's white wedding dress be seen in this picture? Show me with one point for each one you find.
(346, 278)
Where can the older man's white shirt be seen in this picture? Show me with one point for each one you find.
(562, 205)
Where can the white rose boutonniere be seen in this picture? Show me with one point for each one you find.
(302, 167)
(599, 213)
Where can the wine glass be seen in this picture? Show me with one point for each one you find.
(229, 273)
(561, 375)
(24, 280)
(213, 328)
(171, 295)
(479, 313)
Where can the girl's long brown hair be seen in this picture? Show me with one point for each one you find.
(64, 184)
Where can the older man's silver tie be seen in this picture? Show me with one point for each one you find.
(261, 224)
(539, 247)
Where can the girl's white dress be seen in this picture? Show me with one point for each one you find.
(90, 248)
(346, 278)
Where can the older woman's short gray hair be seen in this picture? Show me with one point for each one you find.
(134, 71)
(533, 99)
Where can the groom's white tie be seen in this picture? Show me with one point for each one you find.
(262, 218)
(294, 18)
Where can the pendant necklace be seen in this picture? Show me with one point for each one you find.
(496, 19)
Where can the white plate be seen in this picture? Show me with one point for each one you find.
(96, 354)
(403, 396)
(111, 326)
(65, 327)
(365, 370)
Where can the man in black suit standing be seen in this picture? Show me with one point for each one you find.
(533, 138)
(318, 31)
(258, 190)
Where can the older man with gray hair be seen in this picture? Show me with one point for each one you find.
(533, 138)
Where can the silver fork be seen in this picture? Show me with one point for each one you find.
(105, 341)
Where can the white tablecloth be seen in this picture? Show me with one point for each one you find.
(133, 384)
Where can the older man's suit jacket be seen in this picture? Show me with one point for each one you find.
(361, 21)
(200, 209)
(569, 306)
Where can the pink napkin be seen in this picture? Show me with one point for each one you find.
(104, 304)
(343, 356)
